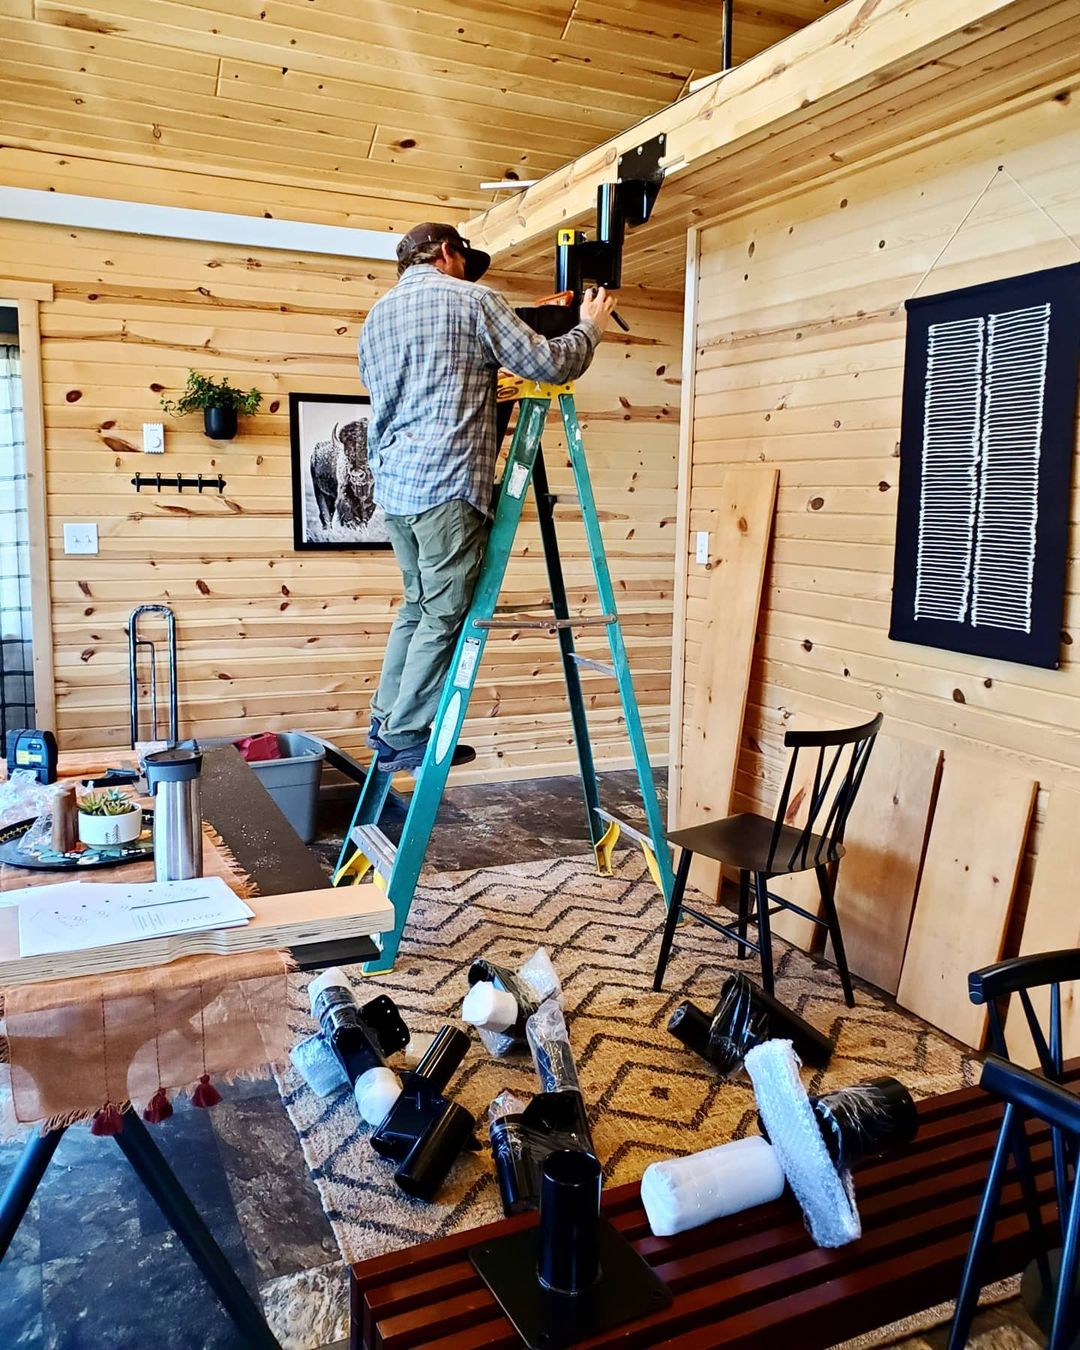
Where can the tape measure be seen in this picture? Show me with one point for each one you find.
(33, 750)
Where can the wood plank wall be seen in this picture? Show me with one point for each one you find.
(798, 338)
(270, 638)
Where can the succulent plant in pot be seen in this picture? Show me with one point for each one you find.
(220, 401)
(107, 819)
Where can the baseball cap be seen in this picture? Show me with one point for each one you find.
(432, 232)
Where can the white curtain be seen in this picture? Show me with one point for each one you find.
(16, 652)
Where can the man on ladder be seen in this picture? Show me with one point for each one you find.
(430, 352)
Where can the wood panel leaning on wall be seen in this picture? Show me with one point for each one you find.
(270, 638)
(798, 337)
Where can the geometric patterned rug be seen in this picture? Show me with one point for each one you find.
(648, 1097)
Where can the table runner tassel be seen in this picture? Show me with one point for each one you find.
(158, 1108)
(107, 1121)
(205, 1094)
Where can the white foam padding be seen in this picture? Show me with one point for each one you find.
(827, 1196)
(489, 1009)
(376, 1091)
(686, 1192)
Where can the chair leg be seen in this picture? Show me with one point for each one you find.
(826, 884)
(679, 889)
(24, 1181)
(761, 888)
(744, 912)
(1064, 1303)
(971, 1280)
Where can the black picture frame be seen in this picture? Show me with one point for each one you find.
(348, 520)
(1009, 551)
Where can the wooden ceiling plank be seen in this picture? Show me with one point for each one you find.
(322, 48)
(889, 38)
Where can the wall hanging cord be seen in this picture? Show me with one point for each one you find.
(1001, 169)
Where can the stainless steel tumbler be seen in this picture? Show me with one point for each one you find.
(172, 776)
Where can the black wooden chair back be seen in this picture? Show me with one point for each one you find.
(841, 759)
(1027, 1097)
(993, 986)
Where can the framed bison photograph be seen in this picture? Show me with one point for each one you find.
(333, 487)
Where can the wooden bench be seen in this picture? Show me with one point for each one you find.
(754, 1279)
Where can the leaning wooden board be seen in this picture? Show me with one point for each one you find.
(754, 1279)
(1052, 923)
(743, 527)
(966, 893)
(886, 836)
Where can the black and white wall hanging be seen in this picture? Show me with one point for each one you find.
(987, 439)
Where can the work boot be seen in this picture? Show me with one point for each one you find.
(391, 760)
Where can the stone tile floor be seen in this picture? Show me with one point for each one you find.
(94, 1262)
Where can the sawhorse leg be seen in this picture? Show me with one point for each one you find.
(159, 1179)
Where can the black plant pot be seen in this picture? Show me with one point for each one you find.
(219, 423)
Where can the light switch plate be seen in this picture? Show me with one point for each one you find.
(80, 538)
(153, 438)
(701, 553)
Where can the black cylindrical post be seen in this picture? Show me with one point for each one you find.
(610, 229)
(569, 1259)
(861, 1121)
(444, 1055)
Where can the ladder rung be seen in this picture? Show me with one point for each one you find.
(631, 830)
(590, 664)
(548, 625)
(377, 847)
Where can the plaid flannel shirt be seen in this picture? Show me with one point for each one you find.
(430, 352)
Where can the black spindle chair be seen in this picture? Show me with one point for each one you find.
(993, 986)
(762, 848)
(1026, 1096)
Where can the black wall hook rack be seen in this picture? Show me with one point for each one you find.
(178, 482)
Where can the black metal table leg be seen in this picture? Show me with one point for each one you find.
(23, 1182)
(158, 1178)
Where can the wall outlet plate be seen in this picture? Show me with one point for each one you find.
(153, 438)
(701, 552)
(80, 538)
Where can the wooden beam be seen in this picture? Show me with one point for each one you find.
(845, 53)
(10, 289)
(174, 222)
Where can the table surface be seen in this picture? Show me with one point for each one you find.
(296, 907)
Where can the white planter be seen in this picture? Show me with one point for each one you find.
(109, 831)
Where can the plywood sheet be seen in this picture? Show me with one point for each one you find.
(875, 889)
(742, 529)
(1052, 922)
(966, 892)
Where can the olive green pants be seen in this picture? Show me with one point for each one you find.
(439, 552)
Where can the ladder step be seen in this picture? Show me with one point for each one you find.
(639, 835)
(548, 625)
(379, 848)
(590, 664)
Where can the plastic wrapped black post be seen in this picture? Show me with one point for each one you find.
(555, 1120)
(423, 1131)
(569, 1260)
(744, 1016)
(360, 1039)
(861, 1121)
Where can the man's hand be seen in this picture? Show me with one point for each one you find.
(596, 306)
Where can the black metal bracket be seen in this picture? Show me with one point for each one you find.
(178, 482)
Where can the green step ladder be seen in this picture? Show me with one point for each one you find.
(397, 867)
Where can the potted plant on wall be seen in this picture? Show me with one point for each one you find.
(220, 402)
(107, 819)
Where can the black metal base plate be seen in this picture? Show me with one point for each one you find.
(627, 1290)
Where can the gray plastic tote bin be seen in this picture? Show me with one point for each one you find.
(293, 780)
